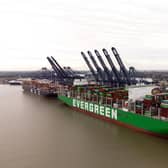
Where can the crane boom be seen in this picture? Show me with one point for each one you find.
(59, 75)
(89, 65)
(60, 68)
(106, 70)
(122, 66)
(113, 68)
(99, 70)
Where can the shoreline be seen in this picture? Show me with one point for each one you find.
(4, 80)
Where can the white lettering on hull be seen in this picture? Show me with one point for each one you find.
(114, 114)
(101, 110)
(74, 102)
(78, 103)
(108, 112)
(86, 106)
(82, 105)
(95, 108)
(91, 107)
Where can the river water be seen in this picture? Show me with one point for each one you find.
(38, 132)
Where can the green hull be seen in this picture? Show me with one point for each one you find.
(128, 119)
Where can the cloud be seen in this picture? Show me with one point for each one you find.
(32, 30)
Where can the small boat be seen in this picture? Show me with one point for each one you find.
(15, 82)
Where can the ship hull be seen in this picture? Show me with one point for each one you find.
(136, 122)
(40, 92)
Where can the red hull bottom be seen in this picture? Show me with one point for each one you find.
(120, 123)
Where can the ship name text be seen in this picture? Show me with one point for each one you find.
(95, 108)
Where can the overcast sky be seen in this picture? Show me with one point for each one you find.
(30, 30)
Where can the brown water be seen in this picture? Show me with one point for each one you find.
(37, 132)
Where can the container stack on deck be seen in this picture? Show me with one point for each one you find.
(40, 87)
(164, 108)
(153, 105)
(96, 93)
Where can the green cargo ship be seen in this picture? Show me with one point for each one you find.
(149, 115)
